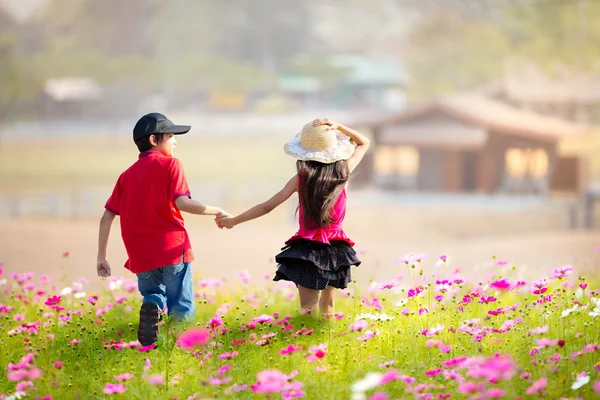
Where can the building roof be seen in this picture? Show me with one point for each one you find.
(73, 89)
(488, 114)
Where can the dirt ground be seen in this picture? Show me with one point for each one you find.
(381, 234)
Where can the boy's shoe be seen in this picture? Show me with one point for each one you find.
(148, 327)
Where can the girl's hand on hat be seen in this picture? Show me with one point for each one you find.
(324, 121)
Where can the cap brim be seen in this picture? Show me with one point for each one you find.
(178, 129)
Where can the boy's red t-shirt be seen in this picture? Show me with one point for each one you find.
(151, 224)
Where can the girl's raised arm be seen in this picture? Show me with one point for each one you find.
(362, 142)
(263, 208)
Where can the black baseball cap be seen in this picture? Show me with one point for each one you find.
(155, 123)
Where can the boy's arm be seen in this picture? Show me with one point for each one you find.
(263, 208)
(102, 265)
(192, 206)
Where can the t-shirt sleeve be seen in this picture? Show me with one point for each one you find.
(178, 186)
(113, 202)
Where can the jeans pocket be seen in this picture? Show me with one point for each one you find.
(174, 270)
(145, 275)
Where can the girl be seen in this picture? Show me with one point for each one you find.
(318, 257)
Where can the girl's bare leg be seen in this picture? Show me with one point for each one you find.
(308, 298)
(326, 301)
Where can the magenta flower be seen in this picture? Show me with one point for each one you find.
(193, 338)
(263, 319)
(561, 273)
(546, 343)
(537, 386)
(359, 325)
(538, 331)
(470, 387)
(539, 287)
(156, 380)
(387, 364)
(596, 387)
(501, 285)
(583, 285)
(123, 377)
(244, 275)
(145, 349)
(494, 393)
(112, 388)
(215, 322)
(270, 381)
(317, 352)
(433, 372)
(58, 364)
(289, 350)
(227, 356)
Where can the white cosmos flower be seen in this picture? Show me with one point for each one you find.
(66, 291)
(581, 380)
(370, 381)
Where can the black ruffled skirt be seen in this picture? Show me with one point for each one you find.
(316, 265)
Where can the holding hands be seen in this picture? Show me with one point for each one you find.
(225, 221)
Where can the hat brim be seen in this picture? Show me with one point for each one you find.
(343, 150)
(178, 129)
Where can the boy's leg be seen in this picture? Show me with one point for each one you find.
(153, 290)
(326, 300)
(308, 298)
(180, 291)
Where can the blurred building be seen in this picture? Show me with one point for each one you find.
(362, 82)
(471, 143)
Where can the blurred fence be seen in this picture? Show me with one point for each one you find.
(525, 212)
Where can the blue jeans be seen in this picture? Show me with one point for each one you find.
(170, 286)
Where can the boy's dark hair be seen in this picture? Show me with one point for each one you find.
(144, 144)
(320, 186)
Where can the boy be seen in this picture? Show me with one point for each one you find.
(149, 197)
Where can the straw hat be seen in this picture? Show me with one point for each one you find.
(320, 143)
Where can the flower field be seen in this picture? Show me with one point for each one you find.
(432, 333)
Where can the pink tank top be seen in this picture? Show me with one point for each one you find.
(326, 234)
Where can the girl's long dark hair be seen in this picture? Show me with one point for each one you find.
(320, 187)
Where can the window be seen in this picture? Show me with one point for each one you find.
(397, 160)
(526, 162)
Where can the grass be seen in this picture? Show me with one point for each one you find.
(38, 165)
(415, 334)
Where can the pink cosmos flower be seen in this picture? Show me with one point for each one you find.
(387, 364)
(470, 387)
(596, 387)
(367, 335)
(494, 393)
(270, 381)
(58, 364)
(244, 275)
(538, 331)
(317, 352)
(193, 338)
(156, 380)
(433, 372)
(359, 325)
(526, 375)
(537, 386)
(502, 285)
(563, 272)
(145, 349)
(112, 388)
(546, 343)
(289, 350)
(539, 287)
(263, 319)
(123, 377)
(226, 356)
